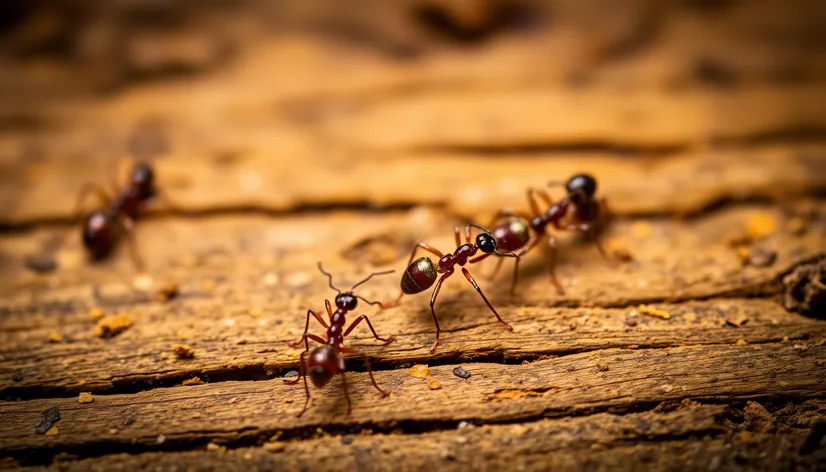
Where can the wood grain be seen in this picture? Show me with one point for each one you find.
(564, 386)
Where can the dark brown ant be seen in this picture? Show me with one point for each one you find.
(421, 274)
(515, 232)
(327, 360)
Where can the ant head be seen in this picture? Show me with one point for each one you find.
(346, 301)
(486, 242)
(97, 234)
(323, 363)
(143, 180)
(581, 188)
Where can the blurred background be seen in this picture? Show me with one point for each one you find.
(274, 106)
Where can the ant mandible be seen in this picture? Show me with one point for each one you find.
(515, 233)
(421, 274)
(102, 227)
(327, 360)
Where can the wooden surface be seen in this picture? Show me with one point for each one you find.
(313, 143)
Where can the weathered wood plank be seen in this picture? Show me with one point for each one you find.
(687, 439)
(616, 380)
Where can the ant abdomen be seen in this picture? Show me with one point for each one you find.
(419, 276)
(97, 235)
(513, 234)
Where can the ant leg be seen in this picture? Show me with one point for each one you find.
(515, 276)
(552, 265)
(365, 318)
(589, 231)
(329, 309)
(129, 225)
(542, 193)
(532, 194)
(303, 373)
(496, 269)
(476, 286)
(366, 364)
(307, 327)
(458, 238)
(346, 394)
(467, 234)
(433, 310)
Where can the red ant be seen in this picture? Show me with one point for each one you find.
(325, 361)
(515, 233)
(421, 274)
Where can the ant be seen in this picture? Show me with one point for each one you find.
(422, 273)
(327, 360)
(515, 233)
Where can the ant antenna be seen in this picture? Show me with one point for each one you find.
(554, 183)
(479, 227)
(330, 277)
(505, 254)
(370, 277)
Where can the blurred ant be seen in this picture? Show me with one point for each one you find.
(515, 233)
(327, 360)
(102, 228)
(421, 274)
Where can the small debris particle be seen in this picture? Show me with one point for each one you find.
(232, 400)
(50, 417)
(761, 257)
(433, 384)
(572, 325)
(800, 347)
(289, 400)
(651, 311)
(666, 388)
(209, 285)
(346, 440)
(760, 225)
(183, 351)
(461, 372)
(641, 230)
(632, 320)
(737, 320)
(160, 439)
(113, 431)
(419, 371)
(167, 292)
(247, 456)
(276, 446)
(113, 325)
(785, 339)
(618, 249)
(291, 374)
(41, 263)
(96, 313)
(215, 447)
(797, 226)
(193, 381)
(142, 283)
(758, 418)
(741, 342)
(712, 379)
(465, 425)
(820, 362)
(55, 337)
(53, 431)
(256, 312)
(85, 397)
(602, 367)
(163, 356)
